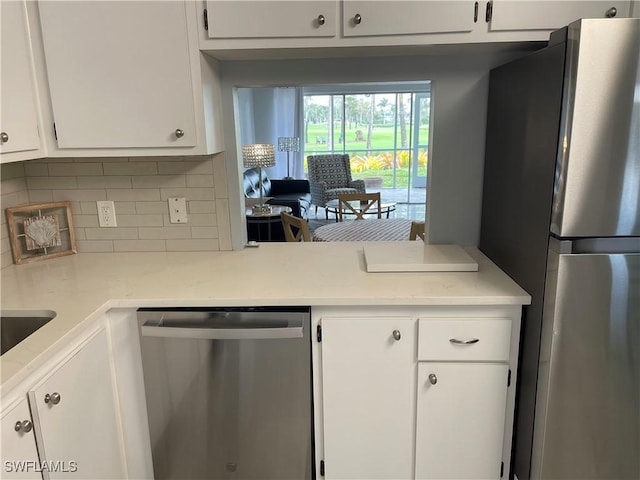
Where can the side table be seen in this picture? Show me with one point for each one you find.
(266, 227)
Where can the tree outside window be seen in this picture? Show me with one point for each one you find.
(385, 134)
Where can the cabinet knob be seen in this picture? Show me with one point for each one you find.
(54, 398)
(433, 379)
(4, 137)
(612, 12)
(25, 426)
(321, 19)
(179, 133)
(357, 19)
(396, 335)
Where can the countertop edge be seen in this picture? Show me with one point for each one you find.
(83, 287)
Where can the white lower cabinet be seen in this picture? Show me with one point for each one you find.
(77, 413)
(460, 420)
(72, 421)
(19, 454)
(368, 385)
(409, 393)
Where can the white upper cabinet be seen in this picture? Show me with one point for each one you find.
(119, 73)
(19, 108)
(550, 15)
(364, 18)
(271, 19)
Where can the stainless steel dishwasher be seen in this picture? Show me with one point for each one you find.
(228, 392)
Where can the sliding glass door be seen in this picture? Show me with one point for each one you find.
(385, 133)
(420, 144)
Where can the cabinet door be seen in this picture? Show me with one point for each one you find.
(119, 73)
(83, 426)
(536, 15)
(368, 390)
(271, 19)
(406, 17)
(18, 113)
(19, 454)
(461, 415)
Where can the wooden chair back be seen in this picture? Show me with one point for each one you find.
(296, 229)
(417, 230)
(367, 201)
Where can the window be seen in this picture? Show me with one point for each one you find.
(384, 128)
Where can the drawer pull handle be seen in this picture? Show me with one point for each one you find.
(433, 379)
(464, 342)
(397, 335)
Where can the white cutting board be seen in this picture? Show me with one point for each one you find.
(417, 257)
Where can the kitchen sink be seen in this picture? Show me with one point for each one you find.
(16, 325)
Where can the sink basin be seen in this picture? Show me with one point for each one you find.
(16, 325)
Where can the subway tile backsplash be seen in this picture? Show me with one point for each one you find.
(139, 188)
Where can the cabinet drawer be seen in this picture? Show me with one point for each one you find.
(486, 339)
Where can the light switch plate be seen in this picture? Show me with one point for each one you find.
(177, 210)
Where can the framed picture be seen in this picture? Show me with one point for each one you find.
(41, 231)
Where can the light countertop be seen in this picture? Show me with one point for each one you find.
(84, 286)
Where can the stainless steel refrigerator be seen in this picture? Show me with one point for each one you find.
(561, 216)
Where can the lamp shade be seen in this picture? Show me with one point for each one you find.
(258, 155)
(289, 144)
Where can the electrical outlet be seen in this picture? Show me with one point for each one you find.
(106, 214)
(177, 210)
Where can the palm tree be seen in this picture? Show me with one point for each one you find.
(372, 110)
(402, 119)
(314, 113)
(383, 103)
(351, 109)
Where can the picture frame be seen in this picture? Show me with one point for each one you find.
(41, 231)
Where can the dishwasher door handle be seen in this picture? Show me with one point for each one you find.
(254, 333)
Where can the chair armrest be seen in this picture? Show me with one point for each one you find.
(318, 195)
(358, 185)
(317, 187)
(283, 187)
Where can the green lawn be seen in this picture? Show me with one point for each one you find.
(402, 176)
(382, 138)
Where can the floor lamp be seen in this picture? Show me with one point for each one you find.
(288, 144)
(259, 155)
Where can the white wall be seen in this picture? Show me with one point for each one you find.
(459, 103)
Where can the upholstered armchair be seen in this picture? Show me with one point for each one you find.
(330, 176)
